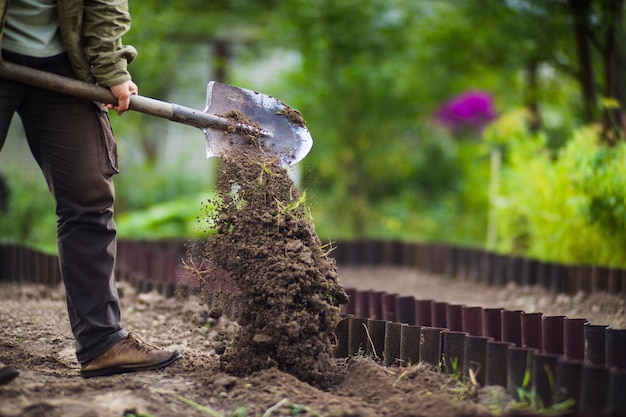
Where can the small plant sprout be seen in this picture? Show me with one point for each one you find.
(298, 409)
(291, 207)
(454, 367)
(529, 397)
(199, 407)
(239, 412)
(467, 389)
(360, 351)
(265, 169)
(464, 389)
(327, 248)
(402, 375)
(293, 204)
(275, 407)
(369, 339)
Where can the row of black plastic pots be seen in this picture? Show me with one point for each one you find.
(23, 264)
(148, 266)
(556, 357)
(481, 265)
(138, 259)
(141, 259)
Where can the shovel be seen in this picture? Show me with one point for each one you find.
(233, 118)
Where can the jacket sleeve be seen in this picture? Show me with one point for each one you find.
(104, 24)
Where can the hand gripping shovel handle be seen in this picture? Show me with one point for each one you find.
(153, 107)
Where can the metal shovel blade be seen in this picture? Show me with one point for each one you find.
(283, 132)
(233, 118)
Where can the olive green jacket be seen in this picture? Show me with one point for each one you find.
(92, 33)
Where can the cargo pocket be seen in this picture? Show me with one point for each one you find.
(110, 159)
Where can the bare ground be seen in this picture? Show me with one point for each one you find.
(35, 337)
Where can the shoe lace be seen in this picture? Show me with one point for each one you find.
(141, 344)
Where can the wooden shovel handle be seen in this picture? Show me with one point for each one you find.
(153, 107)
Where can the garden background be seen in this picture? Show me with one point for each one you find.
(484, 123)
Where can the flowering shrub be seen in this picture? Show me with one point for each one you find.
(467, 113)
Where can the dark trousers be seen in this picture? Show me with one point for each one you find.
(72, 141)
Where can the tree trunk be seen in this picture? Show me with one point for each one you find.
(581, 11)
(612, 118)
(222, 56)
(532, 95)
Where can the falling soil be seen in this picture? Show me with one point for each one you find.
(288, 294)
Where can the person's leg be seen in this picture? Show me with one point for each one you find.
(73, 144)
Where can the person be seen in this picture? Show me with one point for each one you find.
(72, 141)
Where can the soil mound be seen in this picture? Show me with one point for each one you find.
(288, 293)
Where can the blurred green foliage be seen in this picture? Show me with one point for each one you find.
(160, 201)
(367, 76)
(29, 216)
(178, 217)
(567, 205)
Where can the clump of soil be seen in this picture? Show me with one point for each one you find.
(294, 116)
(289, 296)
(253, 130)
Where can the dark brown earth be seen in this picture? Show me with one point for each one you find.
(288, 294)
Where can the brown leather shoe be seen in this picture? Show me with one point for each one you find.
(130, 354)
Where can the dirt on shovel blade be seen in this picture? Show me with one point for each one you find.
(288, 296)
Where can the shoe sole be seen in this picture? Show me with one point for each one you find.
(116, 370)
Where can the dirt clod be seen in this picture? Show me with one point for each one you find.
(252, 132)
(294, 116)
(288, 293)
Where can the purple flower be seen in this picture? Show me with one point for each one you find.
(470, 111)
